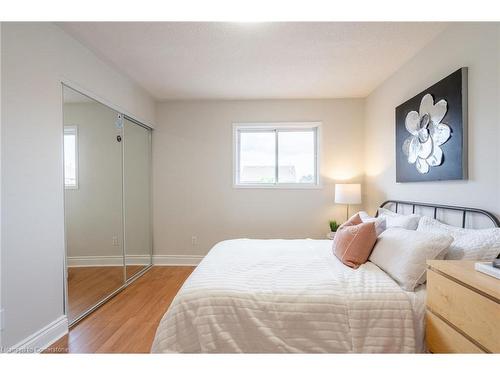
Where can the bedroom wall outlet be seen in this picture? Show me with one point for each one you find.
(194, 240)
(115, 240)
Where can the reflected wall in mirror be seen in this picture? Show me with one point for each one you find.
(93, 202)
(137, 195)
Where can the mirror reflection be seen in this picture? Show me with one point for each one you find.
(137, 161)
(106, 191)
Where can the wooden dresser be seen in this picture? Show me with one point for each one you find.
(463, 309)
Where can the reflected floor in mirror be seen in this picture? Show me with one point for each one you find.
(89, 285)
(127, 322)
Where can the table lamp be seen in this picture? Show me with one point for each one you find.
(348, 194)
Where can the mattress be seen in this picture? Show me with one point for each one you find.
(288, 296)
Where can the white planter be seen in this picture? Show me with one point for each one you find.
(330, 235)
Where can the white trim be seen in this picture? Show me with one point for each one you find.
(177, 260)
(276, 126)
(264, 125)
(43, 338)
(72, 130)
(117, 260)
(279, 186)
(108, 260)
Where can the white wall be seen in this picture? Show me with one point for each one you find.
(193, 192)
(477, 47)
(35, 58)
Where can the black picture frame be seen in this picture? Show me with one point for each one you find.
(454, 166)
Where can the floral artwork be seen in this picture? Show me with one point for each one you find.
(427, 134)
(431, 132)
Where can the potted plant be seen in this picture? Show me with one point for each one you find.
(333, 228)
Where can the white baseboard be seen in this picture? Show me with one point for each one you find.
(177, 260)
(42, 339)
(107, 260)
(135, 260)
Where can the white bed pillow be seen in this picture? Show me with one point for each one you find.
(380, 222)
(402, 254)
(471, 244)
(395, 220)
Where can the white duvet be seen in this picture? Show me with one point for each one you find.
(272, 296)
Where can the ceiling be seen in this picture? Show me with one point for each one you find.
(197, 60)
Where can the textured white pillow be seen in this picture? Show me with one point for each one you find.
(380, 222)
(395, 220)
(471, 244)
(403, 253)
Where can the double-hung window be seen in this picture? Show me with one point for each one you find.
(276, 154)
(71, 157)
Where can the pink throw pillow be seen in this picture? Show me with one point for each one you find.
(354, 241)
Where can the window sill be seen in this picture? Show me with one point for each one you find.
(279, 186)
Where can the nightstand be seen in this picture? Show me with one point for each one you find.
(463, 309)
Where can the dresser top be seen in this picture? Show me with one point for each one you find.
(464, 272)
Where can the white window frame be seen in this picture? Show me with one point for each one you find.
(275, 127)
(73, 130)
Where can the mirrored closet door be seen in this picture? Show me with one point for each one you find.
(137, 197)
(107, 161)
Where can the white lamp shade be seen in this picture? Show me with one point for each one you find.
(348, 193)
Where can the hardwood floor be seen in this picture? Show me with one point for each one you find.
(127, 323)
(89, 285)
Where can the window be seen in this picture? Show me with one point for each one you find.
(71, 157)
(276, 154)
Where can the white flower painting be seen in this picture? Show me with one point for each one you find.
(427, 134)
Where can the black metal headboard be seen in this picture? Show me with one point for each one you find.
(436, 207)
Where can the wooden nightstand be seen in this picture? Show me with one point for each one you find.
(463, 309)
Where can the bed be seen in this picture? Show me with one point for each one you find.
(292, 296)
